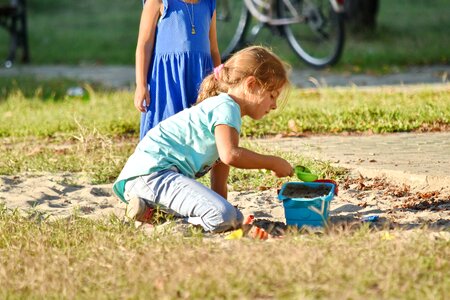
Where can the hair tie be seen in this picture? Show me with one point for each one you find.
(217, 71)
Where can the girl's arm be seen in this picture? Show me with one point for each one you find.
(227, 141)
(214, 45)
(219, 178)
(147, 28)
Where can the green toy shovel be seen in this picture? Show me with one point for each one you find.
(304, 174)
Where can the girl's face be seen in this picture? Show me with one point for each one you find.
(263, 102)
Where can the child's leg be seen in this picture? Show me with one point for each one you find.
(188, 198)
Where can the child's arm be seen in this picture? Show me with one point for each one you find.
(219, 178)
(144, 49)
(227, 141)
(214, 45)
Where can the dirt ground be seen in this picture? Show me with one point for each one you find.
(62, 195)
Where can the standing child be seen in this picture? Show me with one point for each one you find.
(163, 168)
(176, 48)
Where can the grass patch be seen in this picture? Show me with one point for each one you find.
(96, 134)
(79, 258)
(102, 259)
(408, 33)
(101, 159)
(352, 110)
(81, 32)
(111, 113)
(97, 157)
(49, 90)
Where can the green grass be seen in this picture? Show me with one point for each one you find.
(108, 113)
(82, 32)
(30, 87)
(101, 159)
(78, 258)
(357, 111)
(409, 32)
(112, 113)
(95, 134)
(44, 130)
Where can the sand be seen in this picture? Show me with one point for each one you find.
(62, 195)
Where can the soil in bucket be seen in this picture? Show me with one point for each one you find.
(302, 191)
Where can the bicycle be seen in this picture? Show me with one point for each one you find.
(314, 29)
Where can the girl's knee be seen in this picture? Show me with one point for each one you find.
(223, 220)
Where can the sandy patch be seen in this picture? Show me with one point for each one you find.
(62, 195)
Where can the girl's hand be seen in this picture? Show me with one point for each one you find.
(141, 98)
(281, 168)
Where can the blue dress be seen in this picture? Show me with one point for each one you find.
(180, 59)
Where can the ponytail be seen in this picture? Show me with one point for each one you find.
(209, 88)
(257, 61)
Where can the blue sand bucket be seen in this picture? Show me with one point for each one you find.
(310, 210)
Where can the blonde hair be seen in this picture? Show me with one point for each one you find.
(270, 72)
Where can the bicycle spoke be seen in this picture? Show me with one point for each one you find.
(232, 23)
(255, 30)
(318, 41)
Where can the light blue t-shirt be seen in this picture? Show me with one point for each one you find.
(185, 140)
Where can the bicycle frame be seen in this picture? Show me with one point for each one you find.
(268, 7)
(313, 29)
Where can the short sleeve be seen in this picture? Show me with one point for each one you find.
(227, 113)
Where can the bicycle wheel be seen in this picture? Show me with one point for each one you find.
(232, 22)
(319, 39)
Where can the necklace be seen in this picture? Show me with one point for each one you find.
(191, 16)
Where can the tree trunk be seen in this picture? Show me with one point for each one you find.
(361, 14)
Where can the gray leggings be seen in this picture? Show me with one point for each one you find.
(186, 197)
